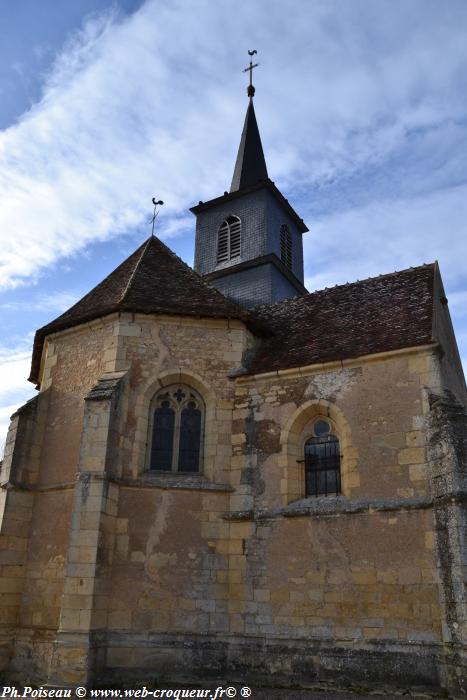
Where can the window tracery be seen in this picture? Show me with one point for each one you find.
(177, 430)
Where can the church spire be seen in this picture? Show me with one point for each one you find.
(250, 165)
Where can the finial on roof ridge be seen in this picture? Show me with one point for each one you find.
(251, 89)
(250, 165)
(159, 203)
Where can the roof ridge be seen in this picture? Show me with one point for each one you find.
(128, 284)
(344, 284)
(376, 277)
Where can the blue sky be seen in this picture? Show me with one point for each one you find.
(361, 104)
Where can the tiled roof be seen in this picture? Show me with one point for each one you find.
(379, 314)
(152, 280)
(383, 313)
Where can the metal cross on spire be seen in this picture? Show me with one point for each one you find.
(251, 89)
(159, 203)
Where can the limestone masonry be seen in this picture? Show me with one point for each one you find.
(208, 488)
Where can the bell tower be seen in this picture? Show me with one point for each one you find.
(249, 240)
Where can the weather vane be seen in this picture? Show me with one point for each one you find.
(159, 203)
(251, 89)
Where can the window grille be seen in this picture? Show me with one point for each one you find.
(286, 246)
(229, 239)
(177, 428)
(322, 462)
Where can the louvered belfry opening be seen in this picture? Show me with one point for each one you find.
(229, 239)
(322, 462)
(286, 246)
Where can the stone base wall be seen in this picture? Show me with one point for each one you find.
(108, 569)
(122, 659)
(32, 654)
(281, 662)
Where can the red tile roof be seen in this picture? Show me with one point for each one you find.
(153, 280)
(375, 315)
(379, 314)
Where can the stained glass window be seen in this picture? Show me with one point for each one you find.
(162, 437)
(190, 433)
(177, 430)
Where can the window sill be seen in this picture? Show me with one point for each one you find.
(228, 263)
(172, 480)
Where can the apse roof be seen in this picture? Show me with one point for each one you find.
(152, 280)
(375, 315)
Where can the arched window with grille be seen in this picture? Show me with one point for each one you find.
(286, 246)
(229, 239)
(322, 461)
(176, 430)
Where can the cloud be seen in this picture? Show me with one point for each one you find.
(458, 302)
(389, 235)
(15, 363)
(361, 108)
(55, 302)
(151, 104)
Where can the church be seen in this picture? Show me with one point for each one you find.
(223, 475)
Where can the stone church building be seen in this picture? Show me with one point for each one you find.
(225, 476)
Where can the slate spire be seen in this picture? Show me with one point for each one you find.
(250, 165)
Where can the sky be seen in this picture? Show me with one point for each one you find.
(361, 105)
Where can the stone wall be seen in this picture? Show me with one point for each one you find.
(72, 533)
(44, 472)
(355, 575)
(357, 567)
(234, 571)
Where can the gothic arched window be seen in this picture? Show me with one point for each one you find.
(286, 246)
(322, 461)
(176, 430)
(229, 239)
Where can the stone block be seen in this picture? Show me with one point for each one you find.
(119, 619)
(11, 585)
(417, 472)
(364, 576)
(241, 530)
(69, 619)
(77, 602)
(239, 439)
(412, 455)
(235, 575)
(240, 591)
(409, 575)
